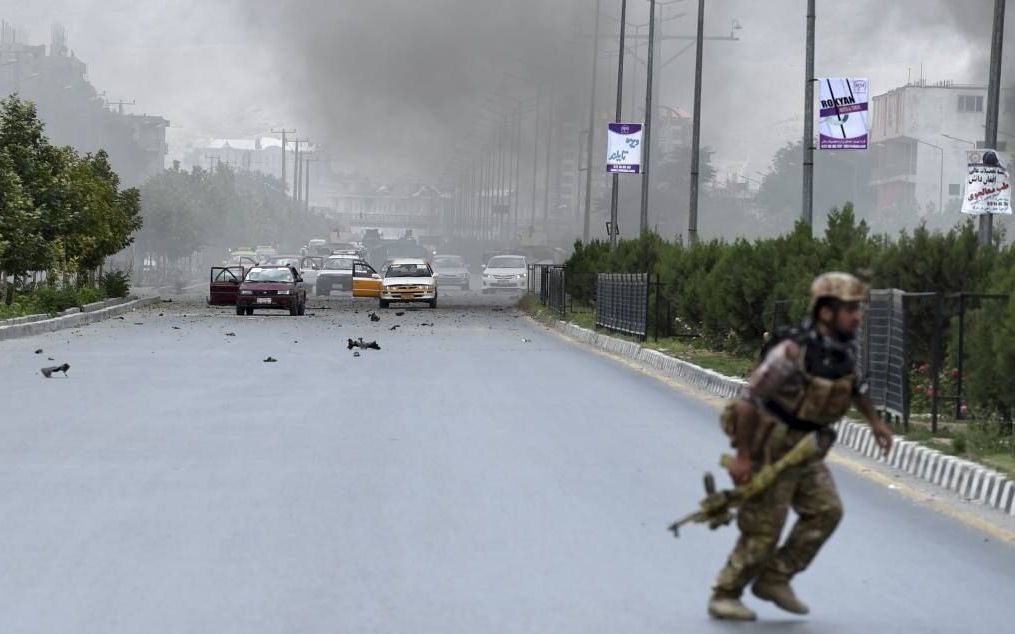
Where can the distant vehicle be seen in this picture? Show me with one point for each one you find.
(393, 249)
(336, 273)
(264, 252)
(240, 256)
(506, 273)
(294, 261)
(310, 268)
(275, 287)
(408, 280)
(450, 270)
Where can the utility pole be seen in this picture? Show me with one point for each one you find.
(297, 182)
(647, 139)
(592, 128)
(807, 214)
(993, 99)
(285, 149)
(614, 196)
(692, 210)
(306, 182)
(535, 164)
(546, 177)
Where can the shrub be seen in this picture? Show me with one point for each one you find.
(115, 283)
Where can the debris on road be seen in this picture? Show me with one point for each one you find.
(176, 327)
(48, 372)
(230, 334)
(425, 325)
(395, 327)
(359, 343)
(271, 360)
(39, 351)
(526, 340)
(374, 316)
(355, 353)
(399, 313)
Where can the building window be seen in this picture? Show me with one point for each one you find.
(954, 189)
(970, 103)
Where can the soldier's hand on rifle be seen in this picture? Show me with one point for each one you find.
(741, 471)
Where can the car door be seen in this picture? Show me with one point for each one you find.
(224, 285)
(365, 281)
(310, 268)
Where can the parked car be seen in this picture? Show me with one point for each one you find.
(276, 287)
(336, 273)
(506, 273)
(450, 270)
(408, 280)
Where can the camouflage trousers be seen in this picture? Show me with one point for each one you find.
(810, 491)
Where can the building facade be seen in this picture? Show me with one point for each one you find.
(919, 135)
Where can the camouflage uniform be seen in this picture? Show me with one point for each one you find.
(804, 384)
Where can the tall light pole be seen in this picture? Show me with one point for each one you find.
(614, 198)
(647, 142)
(993, 99)
(592, 129)
(807, 211)
(692, 210)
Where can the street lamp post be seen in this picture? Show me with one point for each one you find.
(692, 210)
(614, 197)
(993, 99)
(592, 128)
(647, 142)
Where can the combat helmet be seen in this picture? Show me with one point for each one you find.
(839, 286)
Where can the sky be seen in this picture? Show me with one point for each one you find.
(401, 84)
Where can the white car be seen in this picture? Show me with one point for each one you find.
(336, 273)
(506, 273)
(408, 280)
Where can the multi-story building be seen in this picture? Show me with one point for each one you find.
(919, 135)
(74, 113)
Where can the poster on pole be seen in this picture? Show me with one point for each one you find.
(844, 120)
(988, 190)
(623, 148)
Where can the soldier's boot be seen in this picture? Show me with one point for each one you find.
(776, 588)
(729, 609)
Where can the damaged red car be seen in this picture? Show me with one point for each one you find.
(274, 287)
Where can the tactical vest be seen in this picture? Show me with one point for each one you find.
(808, 402)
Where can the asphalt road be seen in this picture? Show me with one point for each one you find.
(475, 475)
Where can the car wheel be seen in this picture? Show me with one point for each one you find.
(384, 303)
(433, 303)
(250, 311)
(303, 308)
(294, 309)
(239, 310)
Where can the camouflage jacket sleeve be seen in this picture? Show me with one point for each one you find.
(768, 378)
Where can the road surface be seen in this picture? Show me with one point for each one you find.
(477, 475)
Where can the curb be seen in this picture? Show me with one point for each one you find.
(972, 481)
(74, 317)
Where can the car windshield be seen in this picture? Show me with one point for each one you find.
(504, 262)
(448, 262)
(338, 264)
(269, 275)
(408, 270)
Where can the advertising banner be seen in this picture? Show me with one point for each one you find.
(987, 187)
(844, 120)
(623, 148)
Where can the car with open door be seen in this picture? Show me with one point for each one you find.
(273, 287)
(224, 285)
(366, 282)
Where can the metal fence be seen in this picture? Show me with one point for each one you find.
(622, 302)
(883, 351)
